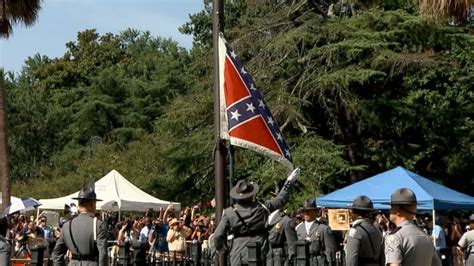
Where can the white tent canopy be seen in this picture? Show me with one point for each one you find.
(116, 193)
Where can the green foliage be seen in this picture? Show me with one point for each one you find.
(354, 97)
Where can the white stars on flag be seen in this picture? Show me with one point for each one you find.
(270, 121)
(235, 115)
(279, 137)
(250, 107)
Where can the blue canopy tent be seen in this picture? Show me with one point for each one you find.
(430, 195)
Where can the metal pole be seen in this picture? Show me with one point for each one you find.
(220, 149)
(231, 170)
(434, 224)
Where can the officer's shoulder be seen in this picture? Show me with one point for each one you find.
(290, 221)
(395, 230)
(299, 225)
(355, 231)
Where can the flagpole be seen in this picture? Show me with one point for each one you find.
(231, 170)
(220, 148)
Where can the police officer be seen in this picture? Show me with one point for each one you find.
(322, 247)
(364, 241)
(5, 247)
(407, 244)
(246, 219)
(466, 243)
(282, 238)
(85, 236)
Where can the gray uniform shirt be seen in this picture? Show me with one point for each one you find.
(82, 231)
(282, 233)
(466, 241)
(364, 247)
(322, 240)
(251, 226)
(409, 246)
(5, 251)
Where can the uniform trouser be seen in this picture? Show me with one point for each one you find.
(277, 257)
(470, 260)
(82, 263)
(318, 261)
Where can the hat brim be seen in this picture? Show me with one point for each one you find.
(361, 208)
(233, 192)
(309, 209)
(399, 203)
(86, 198)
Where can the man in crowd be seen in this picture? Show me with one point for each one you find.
(436, 232)
(466, 243)
(364, 242)
(146, 230)
(246, 219)
(47, 232)
(5, 247)
(407, 245)
(85, 236)
(282, 237)
(176, 238)
(322, 247)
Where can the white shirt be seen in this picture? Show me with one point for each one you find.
(308, 226)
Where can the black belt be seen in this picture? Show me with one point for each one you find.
(84, 257)
(278, 245)
(250, 234)
(367, 260)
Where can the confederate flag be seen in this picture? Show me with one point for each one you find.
(245, 118)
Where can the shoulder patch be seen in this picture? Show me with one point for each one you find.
(390, 240)
(352, 232)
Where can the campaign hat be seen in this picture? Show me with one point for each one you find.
(362, 202)
(243, 190)
(88, 192)
(309, 204)
(403, 196)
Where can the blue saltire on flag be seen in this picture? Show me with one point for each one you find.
(246, 120)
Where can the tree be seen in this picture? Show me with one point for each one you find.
(17, 12)
(456, 10)
(12, 12)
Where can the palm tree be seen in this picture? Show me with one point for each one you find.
(11, 12)
(443, 10)
(17, 12)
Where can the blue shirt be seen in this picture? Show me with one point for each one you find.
(438, 232)
(160, 242)
(144, 234)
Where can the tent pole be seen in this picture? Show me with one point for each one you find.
(37, 213)
(434, 224)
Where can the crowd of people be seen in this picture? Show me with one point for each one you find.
(399, 236)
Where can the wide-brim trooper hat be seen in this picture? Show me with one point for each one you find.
(471, 218)
(403, 196)
(362, 203)
(309, 204)
(243, 190)
(88, 192)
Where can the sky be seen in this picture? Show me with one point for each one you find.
(59, 21)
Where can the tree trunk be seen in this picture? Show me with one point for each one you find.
(3, 145)
(349, 136)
